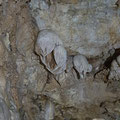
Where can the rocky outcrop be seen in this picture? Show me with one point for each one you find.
(59, 60)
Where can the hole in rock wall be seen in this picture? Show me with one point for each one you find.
(109, 60)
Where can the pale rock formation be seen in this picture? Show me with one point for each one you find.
(87, 28)
(6, 41)
(89, 32)
(60, 56)
(51, 51)
(81, 65)
(69, 63)
(46, 42)
(49, 111)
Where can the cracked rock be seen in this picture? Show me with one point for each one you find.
(115, 69)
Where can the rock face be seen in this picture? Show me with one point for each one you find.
(81, 65)
(86, 27)
(59, 60)
(115, 69)
(51, 51)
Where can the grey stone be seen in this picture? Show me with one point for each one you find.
(115, 69)
(4, 111)
(82, 30)
(81, 65)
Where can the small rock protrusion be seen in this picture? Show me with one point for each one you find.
(115, 69)
(51, 51)
(117, 3)
(49, 111)
(81, 65)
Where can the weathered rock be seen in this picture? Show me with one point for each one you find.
(115, 69)
(82, 92)
(60, 56)
(49, 111)
(82, 30)
(2, 53)
(89, 28)
(25, 34)
(81, 65)
(6, 41)
(2, 82)
(0, 2)
(4, 111)
(51, 51)
(69, 63)
(46, 42)
(98, 119)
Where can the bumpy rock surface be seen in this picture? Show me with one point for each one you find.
(40, 36)
(86, 27)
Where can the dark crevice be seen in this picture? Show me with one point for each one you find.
(77, 73)
(109, 60)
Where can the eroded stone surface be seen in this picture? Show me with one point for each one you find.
(115, 69)
(28, 91)
(84, 27)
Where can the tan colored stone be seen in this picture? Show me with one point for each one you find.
(2, 53)
(25, 34)
(0, 2)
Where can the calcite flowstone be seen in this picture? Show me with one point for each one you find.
(88, 27)
(51, 51)
(49, 111)
(81, 65)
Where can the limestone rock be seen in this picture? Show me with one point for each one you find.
(82, 30)
(25, 34)
(69, 63)
(60, 56)
(68, 1)
(4, 111)
(68, 29)
(50, 48)
(49, 111)
(2, 81)
(6, 41)
(115, 69)
(2, 53)
(46, 42)
(81, 65)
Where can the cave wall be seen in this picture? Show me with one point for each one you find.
(29, 90)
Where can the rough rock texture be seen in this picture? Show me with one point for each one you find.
(87, 28)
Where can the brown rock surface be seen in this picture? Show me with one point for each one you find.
(28, 91)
